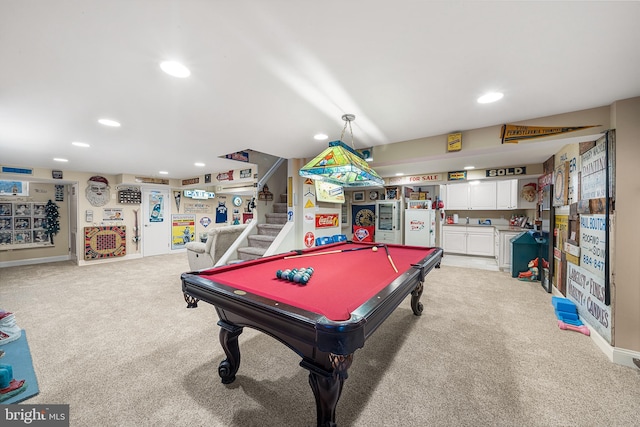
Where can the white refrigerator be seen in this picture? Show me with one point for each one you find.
(420, 227)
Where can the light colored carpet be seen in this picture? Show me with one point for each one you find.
(116, 342)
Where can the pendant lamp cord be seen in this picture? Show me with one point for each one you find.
(348, 118)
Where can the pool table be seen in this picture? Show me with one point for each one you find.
(351, 292)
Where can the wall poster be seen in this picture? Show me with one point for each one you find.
(183, 228)
(156, 207)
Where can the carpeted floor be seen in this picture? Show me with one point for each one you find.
(116, 343)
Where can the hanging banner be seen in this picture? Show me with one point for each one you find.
(514, 133)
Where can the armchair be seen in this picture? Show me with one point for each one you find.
(219, 239)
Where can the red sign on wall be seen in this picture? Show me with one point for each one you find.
(327, 220)
(309, 239)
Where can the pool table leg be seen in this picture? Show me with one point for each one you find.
(416, 305)
(327, 386)
(229, 339)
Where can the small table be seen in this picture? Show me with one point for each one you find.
(349, 295)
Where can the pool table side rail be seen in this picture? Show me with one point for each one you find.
(381, 305)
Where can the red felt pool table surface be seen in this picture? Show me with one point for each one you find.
(341, 281)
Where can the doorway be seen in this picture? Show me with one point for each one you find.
(156, 224)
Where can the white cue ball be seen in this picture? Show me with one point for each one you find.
(374, 249)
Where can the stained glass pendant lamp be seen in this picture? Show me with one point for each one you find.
(342, 165)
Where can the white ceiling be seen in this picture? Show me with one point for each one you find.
(268, 75)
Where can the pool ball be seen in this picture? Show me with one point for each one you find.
(374, 249)
(279, 274)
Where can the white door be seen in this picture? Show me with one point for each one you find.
(156, 224)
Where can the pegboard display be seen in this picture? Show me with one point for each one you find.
(130, 196)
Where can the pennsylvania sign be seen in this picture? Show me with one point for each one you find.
(515, 133)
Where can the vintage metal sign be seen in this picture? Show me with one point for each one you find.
(327, 220)
(515, 133)
(519, 170)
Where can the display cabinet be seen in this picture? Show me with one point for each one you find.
(389, 221)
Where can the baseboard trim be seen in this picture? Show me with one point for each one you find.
(32, 261)
(619, 356)
(109, 260)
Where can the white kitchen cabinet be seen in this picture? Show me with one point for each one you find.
(454, 239)
(480, 241)
(478, 195)
(482, 195)
(457, 196)
(460, 239)
(507, 194)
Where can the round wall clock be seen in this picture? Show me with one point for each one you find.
(237, 201)
(373, 195)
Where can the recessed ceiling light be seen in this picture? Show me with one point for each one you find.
(320, 137)
(490, 97)
(58, 159)
(109, 122)
(469, 167)
(175, 69)
(399, 174)
(80, 144)
(163, 173)
(198, 164)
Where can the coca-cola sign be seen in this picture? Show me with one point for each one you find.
(327, 220)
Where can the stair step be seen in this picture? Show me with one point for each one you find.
(269, 229)
(276, 218)
(250, 252)
(261, 240)
(280, 208)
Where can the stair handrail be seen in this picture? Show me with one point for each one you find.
(284, 241)
(270, 172)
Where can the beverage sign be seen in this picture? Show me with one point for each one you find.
(457, 176)
(327, 220)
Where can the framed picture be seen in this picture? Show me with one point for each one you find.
(6, 209)
(358, 196)
(14, 188)
(23, 209)
(391, 193)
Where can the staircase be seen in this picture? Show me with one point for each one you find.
(259, 243)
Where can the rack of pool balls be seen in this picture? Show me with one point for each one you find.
(296, 275)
